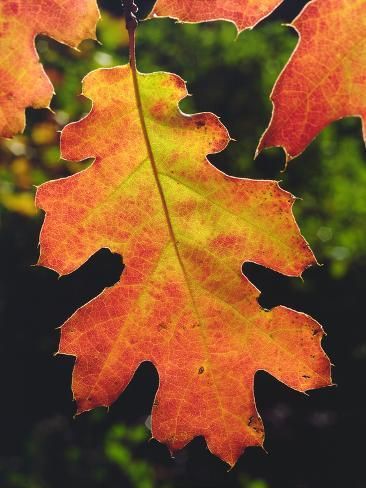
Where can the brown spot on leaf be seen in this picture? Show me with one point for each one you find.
(200, 123)
(255, 424)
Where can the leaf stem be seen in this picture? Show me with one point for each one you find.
(130, 10)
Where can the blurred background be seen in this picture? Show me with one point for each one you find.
(311, 441)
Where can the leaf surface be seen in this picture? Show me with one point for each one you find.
(184, 230)
(325, 79)
(245, 14)
(23, 82)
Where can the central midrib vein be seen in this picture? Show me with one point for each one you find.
(166, 210)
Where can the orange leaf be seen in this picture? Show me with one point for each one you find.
(183, 229)
(245, 14)
(325, 78)
(23, 82)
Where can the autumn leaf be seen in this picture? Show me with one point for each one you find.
(325, 79)
(23, 82)
(245, 14)
(184, 230)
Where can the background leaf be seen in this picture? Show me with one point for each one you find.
(23, 82)
(325, 78)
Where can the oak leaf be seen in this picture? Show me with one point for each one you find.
(23, 82)
(245, 14)
(325, 79)
(183, 229)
